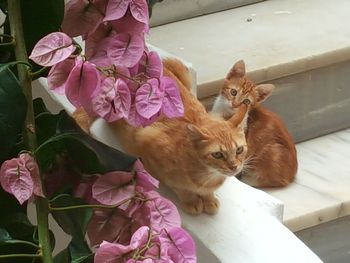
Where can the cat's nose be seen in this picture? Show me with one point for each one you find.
(233, 167)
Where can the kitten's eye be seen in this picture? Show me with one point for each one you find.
(233, 92)
(217, 155)
(239, 150)
(246, 101)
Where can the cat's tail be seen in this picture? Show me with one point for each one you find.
(181, 72)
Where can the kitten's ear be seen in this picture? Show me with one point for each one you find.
(238, 70)
(264, 91)
(195, 133)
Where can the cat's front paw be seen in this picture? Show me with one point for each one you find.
(211, 205)
(193, 207)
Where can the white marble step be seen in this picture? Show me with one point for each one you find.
(321, 191)
(276, 38)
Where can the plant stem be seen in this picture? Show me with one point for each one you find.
(81, 206)
(42, 206)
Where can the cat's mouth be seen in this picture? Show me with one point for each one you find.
(231, 173)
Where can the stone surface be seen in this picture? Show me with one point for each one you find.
(320, 192)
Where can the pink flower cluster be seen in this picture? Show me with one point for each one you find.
(117, 76)
(20, 177)
(144, 226)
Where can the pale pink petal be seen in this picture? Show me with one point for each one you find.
(102, 102)
(143, 178)
(163, 214)
(111, 225)
(52, 49)
(180, 245)
(125, 49)
(122, 100)
(99, 56)
(113, 188)
(172, 104)
(94, 38)
(136, 120)
(80, 18)
(111, 253)
(81, 84)
(33, 168)
(84, 190)
(16, 179)
(149, 99)
(139, 10)
(140, 237)
(58, 75)
(128, 24)
(154, 65)
(116, 9)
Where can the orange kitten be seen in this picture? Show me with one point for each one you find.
(272, 157)
(193, 155)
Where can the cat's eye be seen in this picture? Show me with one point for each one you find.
(217, 155)
(233, 92)
(239, 150)
(246, 101)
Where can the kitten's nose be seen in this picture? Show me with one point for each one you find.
(233, 167)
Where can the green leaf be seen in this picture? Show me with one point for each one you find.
(109, 159)
(39, 106)
(88, 154)
(49, 12)
(4, 235)
(65, 256)
(73, 221)
(13, 108)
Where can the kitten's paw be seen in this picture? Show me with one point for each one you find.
(211, 205)
(194, 207)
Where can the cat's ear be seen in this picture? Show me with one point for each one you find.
(195, 133)
(264, 91)
(237, 71)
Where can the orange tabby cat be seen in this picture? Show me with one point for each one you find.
(272, 157)
(193, 155)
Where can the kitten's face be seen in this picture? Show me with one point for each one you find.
(239, 89)
(221, 148)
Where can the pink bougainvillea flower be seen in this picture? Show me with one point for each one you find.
(113, 188)
(111, 225)
(99, 53)
(20, 177)
(172, 104)
(94, 38)
(116, 9)
(82, 82)
(139, 10)
(113, 101)
(158, 212)
(81, 16)
(153, 65)
(58, 75)
(112, 252)
(125, 49)
(52, 49)
(149, 98)
(143, 178)
(179, 245)
(136, 120)
(128, 24)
